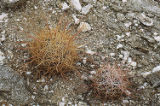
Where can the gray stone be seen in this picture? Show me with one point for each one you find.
(144, 5)
(12, 4)
(120, 17)
(13, 86)
(145, 20)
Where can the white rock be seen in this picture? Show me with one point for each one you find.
(157, 38)
(89, 1)
(2, 16)
(155, 33)
(2, 57)
(76, 20)
(128, 33)
(125, 101)
(128, 24)
(41, 80)
(88, 51)
(119, 38)
(124, 1)
(145, 20)
(65, 6)
(93, 72)
(28, 72)
(61, 104)
(125, 55)
(2, 38)
(45, 87)
(112, 54)
(145, 74)
(76, 4)
(84, 27)
(119, 46)
(133, 63)
(156, 69)
(86, 9)
(13, 1)
(85, 60)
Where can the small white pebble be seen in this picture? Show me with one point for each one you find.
(86, 9)
(120, 56)
(23, 44)
(33, 97)
(128, 24)
(88, 51)
(119, 37)
(63, 99)
(84, 27)
(112, 54)
(65, 6)
(155, 33)
(156, 69)
(124, 1)
(35, 7)
(45, 87)
(76, 20)
(145, 74)
(2, 16)
(92, 72)
(2, 57)
(125, 101)
(41, 80)
(76, 4)
(134, 64)
(157, 38)
(128, 33)
(84, 60)
(125, 55)
(104, 7)
(2, 38)
(28, 72)
(84, 77)
(61, 104)
(119, 46)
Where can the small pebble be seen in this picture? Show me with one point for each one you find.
(76, 20)
(65, 6)
(86, 9)
(2, 57)
(84, 27)
(76, 4)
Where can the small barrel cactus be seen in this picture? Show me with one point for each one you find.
(52, 51)
(110, 82)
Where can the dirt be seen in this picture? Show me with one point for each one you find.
(124, 31)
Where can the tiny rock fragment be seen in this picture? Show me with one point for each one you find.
(2, 57)
(124, 1)
(2, 36)
(2, 16)
(88, 51)
(84, 27)
(157, 38)
(145, 20)
(76, 20)
(65, 6)
(156, 69)
(76, 4)
(86, 9)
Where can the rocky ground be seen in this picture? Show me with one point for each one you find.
(128, 31)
